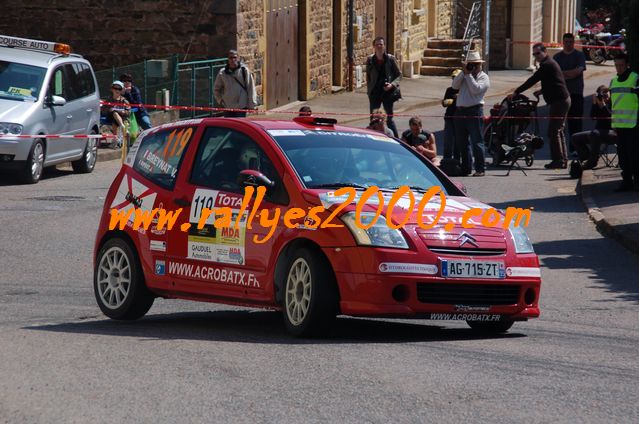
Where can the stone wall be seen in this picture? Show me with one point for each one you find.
(251, 41)
(320, 46)
(445, 19)
(109, 34)
(499, 30)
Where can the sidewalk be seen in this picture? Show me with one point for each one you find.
(616, 215)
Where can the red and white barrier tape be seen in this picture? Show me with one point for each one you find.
(100, 136)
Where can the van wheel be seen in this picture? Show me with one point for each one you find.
(118, 282)
(86, 163)
(310, 294)
(35, 163)
(488, 327)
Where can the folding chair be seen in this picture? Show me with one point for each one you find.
(606, 153)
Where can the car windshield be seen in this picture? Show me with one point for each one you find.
(20, 82)
(328, 159)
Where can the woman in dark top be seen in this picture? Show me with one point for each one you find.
(553, 87)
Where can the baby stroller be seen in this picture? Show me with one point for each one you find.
(507, 121)
(524, 148)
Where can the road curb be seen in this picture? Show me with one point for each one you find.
(628, 239)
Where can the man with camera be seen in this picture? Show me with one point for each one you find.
(472, 84)
(553, 87)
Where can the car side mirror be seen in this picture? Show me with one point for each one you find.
(56, 101)
(250, 177)
(461, 186)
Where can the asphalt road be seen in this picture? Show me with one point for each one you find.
(62, 361)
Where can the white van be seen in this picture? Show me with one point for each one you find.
(44, 89)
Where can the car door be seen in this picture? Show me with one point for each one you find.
(157, 158)
(83, 105)
(57, 118)
(223, 260)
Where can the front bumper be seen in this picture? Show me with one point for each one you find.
(17, 148)
(365, 291)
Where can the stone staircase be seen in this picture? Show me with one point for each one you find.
(441, 57)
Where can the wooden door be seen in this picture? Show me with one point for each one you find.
(282, 51)
(381, 18)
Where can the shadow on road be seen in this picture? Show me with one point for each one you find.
(10, 178)
(265, 327)
(612, 266)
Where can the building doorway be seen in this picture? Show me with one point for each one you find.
(282, 65)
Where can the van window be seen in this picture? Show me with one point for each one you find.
(160, 153)
(81, 78)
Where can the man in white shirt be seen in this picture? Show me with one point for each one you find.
(472, 84)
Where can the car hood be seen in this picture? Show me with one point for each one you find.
(447, 232)
(15, 111)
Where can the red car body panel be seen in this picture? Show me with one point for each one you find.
(366, 287)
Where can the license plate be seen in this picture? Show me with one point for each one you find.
(472, 269)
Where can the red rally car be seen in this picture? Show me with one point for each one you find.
(489, 277)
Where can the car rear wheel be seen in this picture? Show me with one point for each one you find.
(494, 327)
(118, 282)
(86, 163)
(35, 163)
(310, 294)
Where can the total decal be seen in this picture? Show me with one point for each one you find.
(224, 245)
(132, 194)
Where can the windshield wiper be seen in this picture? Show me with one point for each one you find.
(414, 188)
(331, 185)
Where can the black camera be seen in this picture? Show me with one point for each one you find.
(470, 66)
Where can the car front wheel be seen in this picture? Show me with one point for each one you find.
(310, 294)
(35, 163)
(118, 282)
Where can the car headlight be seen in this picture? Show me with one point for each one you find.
(380, 234)
(521, 240)
(9, 128)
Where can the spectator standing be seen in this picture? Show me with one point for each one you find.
(420, 140)
(450, 103)
(234, 87)
(133, 95)
(472, 83)
(573, 64)
(556, 95)
(382, 80)
(624, 91)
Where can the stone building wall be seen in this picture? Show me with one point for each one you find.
(499, 31)
(445, 18)
(112, 35)
(320, 46)
(251, 39)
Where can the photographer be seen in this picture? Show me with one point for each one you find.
(382, 80)
(472, 84)
(588, 143)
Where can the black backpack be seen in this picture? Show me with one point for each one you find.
(576, 169)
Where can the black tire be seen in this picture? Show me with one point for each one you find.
(529, 161)
(598, 56)
(322, 304)
(488, 327)
(35, 163)
(86, 163)
(116, 298)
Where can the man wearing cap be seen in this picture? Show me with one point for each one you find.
(472, 83)
(553, 87)
(234, 87)
(134, 96)
(117, 115)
